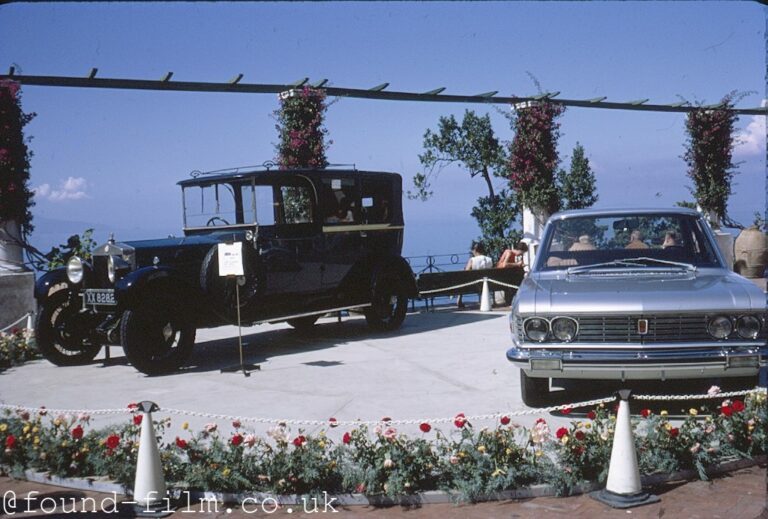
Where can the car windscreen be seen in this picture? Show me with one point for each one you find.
(626, 240)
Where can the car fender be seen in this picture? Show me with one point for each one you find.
(140, 284)
(403, 271)
(50, 283)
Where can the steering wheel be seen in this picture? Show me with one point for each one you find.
(214, 219)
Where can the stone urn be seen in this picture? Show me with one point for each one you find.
(11, 252)
(751, 252)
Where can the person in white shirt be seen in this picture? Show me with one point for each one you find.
(478, 261)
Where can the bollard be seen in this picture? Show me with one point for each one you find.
(485, 297)
(623, 488)
(149, 491)
(30, 323)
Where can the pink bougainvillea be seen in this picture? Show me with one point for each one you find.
(15, 196)
(300, 128)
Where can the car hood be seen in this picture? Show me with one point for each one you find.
(706, 290)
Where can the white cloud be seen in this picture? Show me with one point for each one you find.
(73, 188)
(751, 140)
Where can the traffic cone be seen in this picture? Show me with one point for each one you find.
(485, 297)
(149, 491)
(623, 488)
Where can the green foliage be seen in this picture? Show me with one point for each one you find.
(686, 204)
(80, 245)
(15, 195)
(533, 157)
(16, 348)
(300, 129)
(474, 146)
(577, 186)
(709, 152)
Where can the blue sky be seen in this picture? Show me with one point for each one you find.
(111, 159)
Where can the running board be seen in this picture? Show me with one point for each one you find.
(307, 314)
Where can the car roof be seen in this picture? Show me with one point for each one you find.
(624, 212)
(233, 174)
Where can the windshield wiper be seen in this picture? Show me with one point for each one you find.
(687, 266)
(614, 263)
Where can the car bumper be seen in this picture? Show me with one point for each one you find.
(640, 364)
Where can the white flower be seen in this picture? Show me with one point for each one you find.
(713, 391)
(388, 463)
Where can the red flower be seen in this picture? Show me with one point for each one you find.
(237, 439)
(133, 406)
(10, 442)
(591, 415)
(236, 424)
(541, 420)
(299, 441)
(425, 427)
(460, 420)
(137, 419)
(504, 420)
(645, 413)
(181, 444)
(113, 441)
(580, 435)
(77, 432)
(738, 406)
(726, 410)
(567, 410)
(386, 419)
(578, 450)
(333, 422)
(561, 432)
(346, 438)
(673, 432)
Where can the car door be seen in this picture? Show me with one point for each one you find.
(342, 227)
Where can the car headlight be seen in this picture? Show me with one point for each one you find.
(75, 270)
(720, 327)
(536, 329)
(564, 328)
(111, 269)
(748, 327)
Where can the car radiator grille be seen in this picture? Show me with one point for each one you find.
(623, 329)
(100, 272)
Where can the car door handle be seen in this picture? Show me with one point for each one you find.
(363, 234)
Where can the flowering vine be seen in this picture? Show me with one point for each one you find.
(709, 151)
(533, 156)
(300, 128)
(15, 196)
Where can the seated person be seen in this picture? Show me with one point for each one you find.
(670, 240)
(343, 214)
(636, 241)
(584, 243)
(513, 257)
(478, 261)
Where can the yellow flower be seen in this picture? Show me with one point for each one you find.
(668, 426)
(508, 451)
(226, 472)
(3, 427)
(36, 441)
(613, 418)
(462, 454)
(587, 425)
(692, 411)
(26, 429)
(321, 444)
(564, 439)
(497, 472)
(35, 429)
(663, 412)
(64, 444)
(185, 426)
(57, 422)
(481, 448)
(539, 453)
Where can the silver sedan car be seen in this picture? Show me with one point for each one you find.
(633, 295)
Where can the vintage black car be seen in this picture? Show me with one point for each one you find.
(313, 241)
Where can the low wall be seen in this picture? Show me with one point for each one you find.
(17, 297)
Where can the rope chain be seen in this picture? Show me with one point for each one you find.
(454, 287)
(356, 423)
(14, 323)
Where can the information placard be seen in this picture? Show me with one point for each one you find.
(231, 259)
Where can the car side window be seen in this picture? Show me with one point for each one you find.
(340, 201)
(376, 201)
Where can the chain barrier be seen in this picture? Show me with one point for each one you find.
(14, 323)
(357, 423)
(454, 287)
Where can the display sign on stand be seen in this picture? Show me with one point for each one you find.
(230, 256)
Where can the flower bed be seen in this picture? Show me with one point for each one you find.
(471, 463)
(16, 348)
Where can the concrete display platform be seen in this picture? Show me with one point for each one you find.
(437, 365)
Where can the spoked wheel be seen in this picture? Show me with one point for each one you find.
(388, 304)
(156, 337)
(303, 324)
(63, 333)
(534, 391)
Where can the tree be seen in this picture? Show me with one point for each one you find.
(577, 186)
(15, 195)
(533, 156)
(474, 146)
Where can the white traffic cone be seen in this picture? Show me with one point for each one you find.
(149, 491)
(623, 488)
(485, 297)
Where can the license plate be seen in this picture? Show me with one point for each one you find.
(100, 296)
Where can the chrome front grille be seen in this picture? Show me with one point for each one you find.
(100, 271)
(624, 329)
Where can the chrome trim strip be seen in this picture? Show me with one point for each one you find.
(362, 227)
(307, 314)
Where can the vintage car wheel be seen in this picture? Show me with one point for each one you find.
(64, 335)
(389, 304)
(156, 338)
(534, 391)
(303, 324)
